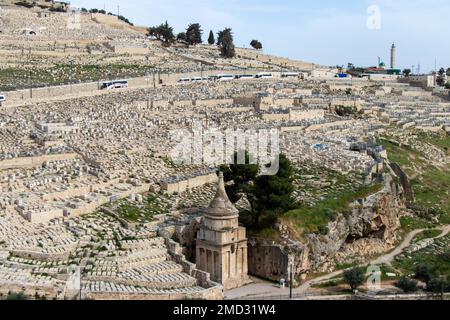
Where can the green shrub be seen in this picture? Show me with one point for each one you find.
(438, 285)
(16, 296)
(423, 273)
(354, 277)
(323, 230)
(407, 284)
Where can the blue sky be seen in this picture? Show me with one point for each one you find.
(321, 31)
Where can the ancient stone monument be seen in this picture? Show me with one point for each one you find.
(221, 244)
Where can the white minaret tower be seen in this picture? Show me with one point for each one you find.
(393, 56)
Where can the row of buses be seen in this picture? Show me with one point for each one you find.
(117, 84)
(227, 77)
(231, 77)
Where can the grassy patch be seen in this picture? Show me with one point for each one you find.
(438, 263)
(445, 218)
(413, 223)
(142, 213)
(439, 140)
(427, 234)
(385, 269)
(345, 266)
(431, 185)
(59, 74)
(402, 155)
(268, 233)
(315, 218)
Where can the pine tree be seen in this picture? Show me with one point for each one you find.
(256, 44)
(211, 39)
(225, 41)
(194, 34)
(167, 33)
(162, 32)
(269, 196)
(242, 176)
(181, 37)
(406, 72)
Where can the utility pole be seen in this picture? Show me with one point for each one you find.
(290, 282)
(80, 282)
(31, 84)
(30, 80)
(70, 75)
(147, 75)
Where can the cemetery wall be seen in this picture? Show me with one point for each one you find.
(212, 102)
(207, 294)
(299, 115)
(190, 183)
(102, 200)
(63, 255)
(28, 290)
(292, 129)
(31, 162)
(330, 124)
(276, 117)
(41, 217)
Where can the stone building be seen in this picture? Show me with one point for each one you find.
(221, 244)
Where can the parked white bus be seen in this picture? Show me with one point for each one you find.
(225, 77)
(115, 84)
(264, 75)
(184, 80)
(290, 74)
(245, 76)
(197, 79)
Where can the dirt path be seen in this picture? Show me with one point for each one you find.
(389, 257)
(264, 288)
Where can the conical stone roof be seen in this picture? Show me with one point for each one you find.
(221, 206)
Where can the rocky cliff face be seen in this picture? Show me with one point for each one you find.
(369, 229)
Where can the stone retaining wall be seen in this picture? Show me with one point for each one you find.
(31, 162)
(203, 278)
(207, 294)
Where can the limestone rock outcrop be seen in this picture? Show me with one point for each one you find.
(369, 228)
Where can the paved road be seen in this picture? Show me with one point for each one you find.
(261, 288)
